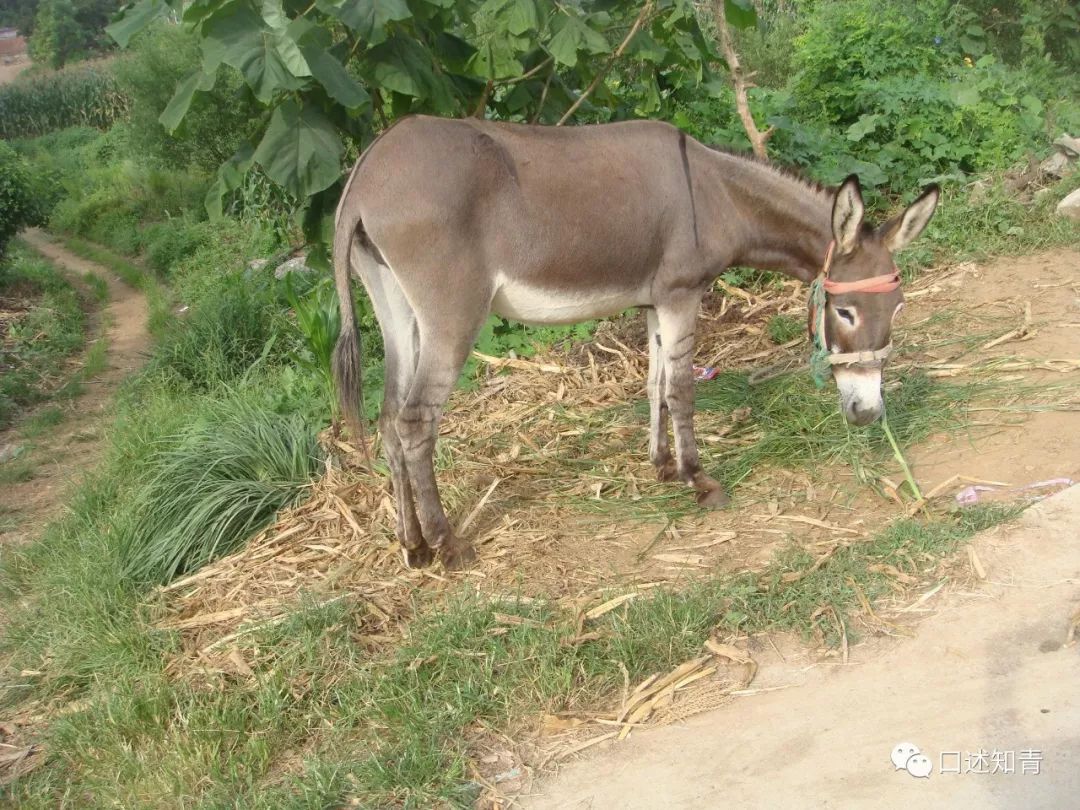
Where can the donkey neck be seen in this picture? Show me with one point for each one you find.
(780, 222)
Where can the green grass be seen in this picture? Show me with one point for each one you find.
(784, 328)
(98, 288)
(132, 274)
(213, 485)
(791, 423)
(33, 352)
(391, 728)
(999, 224)
(42, 421)
(17, 471)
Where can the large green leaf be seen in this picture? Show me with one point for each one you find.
(573, 35)
(368, 18)
(270, 60)
(740, 13)
(135, 19)
(301, 149)
(521, 17)
(496, 59)
(403, 65)
(178, 105)
(229, 177)
(331, 74)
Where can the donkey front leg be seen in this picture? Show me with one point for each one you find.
(659, 449)
(677, 322)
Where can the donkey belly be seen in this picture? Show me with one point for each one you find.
(536, 305)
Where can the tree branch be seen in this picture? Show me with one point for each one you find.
(645, 9)
(741, 83)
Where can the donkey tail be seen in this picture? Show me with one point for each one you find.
(346, 362)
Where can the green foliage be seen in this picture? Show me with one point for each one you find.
(80, 96)
(317, 317)
(56, 36)
(888, 91)
(18, 208)
(19, 14)
(170, 242)
(217, 122)
(64, 30)
(47, 329)
(215, 484)
(785, 328)
(237, 323)
(334, 73)
(793, 423)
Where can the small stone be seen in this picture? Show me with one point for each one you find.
(10, 452)
(1057, 165)
(1069, 144)
(258, 264)
(1070, 206)
(297, 264)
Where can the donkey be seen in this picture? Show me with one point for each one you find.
(446, 221)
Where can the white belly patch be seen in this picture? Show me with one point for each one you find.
(536, 305)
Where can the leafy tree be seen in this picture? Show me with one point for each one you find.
(62, 29)
(17, 205)
(331, 73)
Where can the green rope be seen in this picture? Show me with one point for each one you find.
(820, 368)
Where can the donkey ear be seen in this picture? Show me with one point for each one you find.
(847, 214)
(898, 233)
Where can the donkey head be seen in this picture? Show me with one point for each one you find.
(858, 318)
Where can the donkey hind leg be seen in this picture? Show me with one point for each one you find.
(659, 449)
(398, 325)
(445, 344)
(677, 323)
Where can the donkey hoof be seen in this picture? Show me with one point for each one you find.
(457, 555)
(668, 471)
(420, 557)
(713, 498)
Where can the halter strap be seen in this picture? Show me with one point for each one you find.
(877, 284)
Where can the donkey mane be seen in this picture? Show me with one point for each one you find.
(785, 170)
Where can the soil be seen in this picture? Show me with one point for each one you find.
(989, 670)
(67, 451)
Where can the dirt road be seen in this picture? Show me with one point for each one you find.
(988, 671)
(72, 447)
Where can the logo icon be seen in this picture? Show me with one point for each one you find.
(907, 757)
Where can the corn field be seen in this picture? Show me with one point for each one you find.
(80, 96)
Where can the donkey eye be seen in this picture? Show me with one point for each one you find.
(847, 314)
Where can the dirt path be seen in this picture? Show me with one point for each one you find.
(989, 670)
(66, 451)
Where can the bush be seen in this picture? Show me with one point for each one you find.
(893, 92)
(169, 243)
(18, 208)
(64, 30)
(83, 96)
(217, 121)
(38, 339)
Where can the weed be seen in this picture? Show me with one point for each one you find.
(17, 471)
(98, 288)
(41, 421)
(784, 328)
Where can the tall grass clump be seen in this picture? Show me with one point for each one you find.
(214, 484)
(86, 96)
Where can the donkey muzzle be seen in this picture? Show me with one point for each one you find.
(860, 393)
